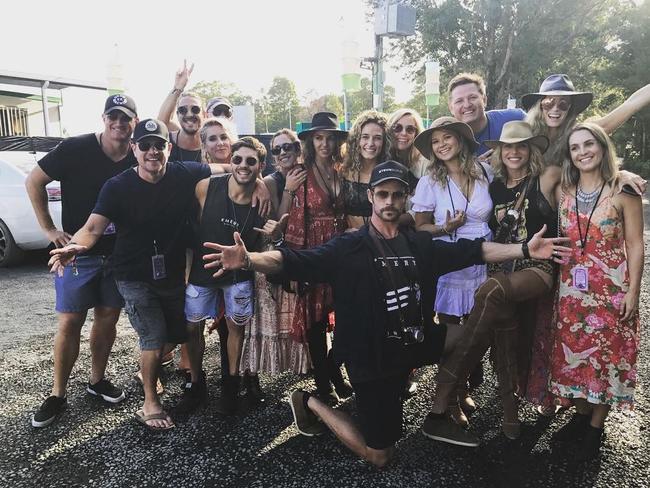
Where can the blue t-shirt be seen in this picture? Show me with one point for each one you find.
(150, 219)
(496, 119)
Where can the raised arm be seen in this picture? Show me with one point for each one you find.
(169, 104)
(35, 184)
(617, 117)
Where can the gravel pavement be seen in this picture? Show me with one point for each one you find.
(97, 445)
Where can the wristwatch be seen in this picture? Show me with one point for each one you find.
(176, 90)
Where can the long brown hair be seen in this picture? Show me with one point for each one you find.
(608, 165)
(437, 169)
(352, 158)
(309, 153)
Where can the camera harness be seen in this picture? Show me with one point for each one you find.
(378, 239)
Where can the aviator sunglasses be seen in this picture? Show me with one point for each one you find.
(250, 161)
(383, 194)
(410, 129)
(115, 115)
(183, 109)
(144, 146)
(222, 111)
(562, 104)
(286, 147)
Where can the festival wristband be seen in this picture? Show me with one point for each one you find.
(524, 250)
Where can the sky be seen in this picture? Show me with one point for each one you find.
(244, 42)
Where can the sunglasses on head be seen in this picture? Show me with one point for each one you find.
(410, 129)
(144, 146)
(562, 104)
(221, 111)
(115, 115)
(250, 161)
(183, 109)
(383, 194)
(286, 147)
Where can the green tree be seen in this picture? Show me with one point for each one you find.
(211, 89)
(281, 104)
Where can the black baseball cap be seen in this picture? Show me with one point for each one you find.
(150, 128)
(389, 170)
(123, 103)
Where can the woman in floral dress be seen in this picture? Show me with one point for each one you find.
(596, 339)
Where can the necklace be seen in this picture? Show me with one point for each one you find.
(587, 197)
(519, 179)
(453, 207)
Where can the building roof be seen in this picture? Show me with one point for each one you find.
(55, 82)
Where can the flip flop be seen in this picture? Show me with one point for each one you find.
(160, 389)
(142, 418)
(167, 359)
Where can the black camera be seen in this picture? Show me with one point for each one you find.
(506, 226)
(412, 335)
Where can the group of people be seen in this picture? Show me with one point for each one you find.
(381, 235)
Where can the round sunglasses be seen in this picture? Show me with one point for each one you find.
(410, 129)
(183, 109)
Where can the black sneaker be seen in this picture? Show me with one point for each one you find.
(590, 444)
(574, 429)
(106, 390)
(194, 395)
(306, 422)
(51, 408)
(438, 427)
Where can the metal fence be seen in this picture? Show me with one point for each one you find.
(13, 121)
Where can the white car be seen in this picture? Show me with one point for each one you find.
(19, 229)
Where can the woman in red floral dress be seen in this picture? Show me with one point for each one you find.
(597, 327)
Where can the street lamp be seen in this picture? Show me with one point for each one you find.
(351, 74)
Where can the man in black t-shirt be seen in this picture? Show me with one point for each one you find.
(149, 205)
(83, 164)
(225, 208)
(383, 305)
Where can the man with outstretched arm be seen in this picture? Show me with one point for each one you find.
(384, 281)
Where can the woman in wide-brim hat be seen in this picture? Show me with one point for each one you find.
(315, 216)
(452, 201)
(553, 110)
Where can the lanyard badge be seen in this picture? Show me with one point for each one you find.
(580, 278)
(158, 264)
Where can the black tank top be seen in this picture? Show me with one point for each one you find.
(220, 218)
(355, 198)
(535, 210)
(179, 154)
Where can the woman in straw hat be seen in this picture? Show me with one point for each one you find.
(594, 358)
(315, 217)
(523, 196)
(452, 201)
(367, 145)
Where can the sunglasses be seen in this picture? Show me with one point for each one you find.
(410, 129)
(144, 146)
(183, 109)
(383, 194)
(286, 147)
(562, 104)
(250, 161)
(221, 111)
(115, 115)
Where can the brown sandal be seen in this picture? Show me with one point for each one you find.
(141, 418)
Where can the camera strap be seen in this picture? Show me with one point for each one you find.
(377, 239)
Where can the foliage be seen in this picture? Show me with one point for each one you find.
(211, 89)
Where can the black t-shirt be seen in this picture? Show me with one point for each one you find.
(397, 275)
(179, 154)
(150, 219)
(219, 219)
(82, 168)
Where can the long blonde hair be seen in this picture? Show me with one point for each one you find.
(554, 155)
(225, 124)
(413, 154)
(437, 169)
(352, 158)
(535, 162)
(608, 165)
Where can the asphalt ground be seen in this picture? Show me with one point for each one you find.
(93, 444)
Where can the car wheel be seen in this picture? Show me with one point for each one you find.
(10, 253)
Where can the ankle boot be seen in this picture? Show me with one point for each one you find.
(194, 394)
(317, 342)
(227, 402)
(254, 393)
(590, 444)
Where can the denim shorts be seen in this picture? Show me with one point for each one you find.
(92, 286)
(156, 313)
(202, 302)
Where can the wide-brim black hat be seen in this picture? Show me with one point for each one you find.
(559, 85)
(326, 121)
(423, 140)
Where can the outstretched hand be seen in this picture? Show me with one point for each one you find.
(183, 75)
(63, 256)
(540, 247)
(274, 228)
(227, 257)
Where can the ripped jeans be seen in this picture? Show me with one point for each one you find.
(202, 302)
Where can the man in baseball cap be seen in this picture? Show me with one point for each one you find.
(219, 107)
(123, 103)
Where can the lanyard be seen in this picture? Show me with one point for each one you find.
(453, 207)
(583, 243)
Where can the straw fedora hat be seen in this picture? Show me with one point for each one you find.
(423, 140)
(519, 131)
